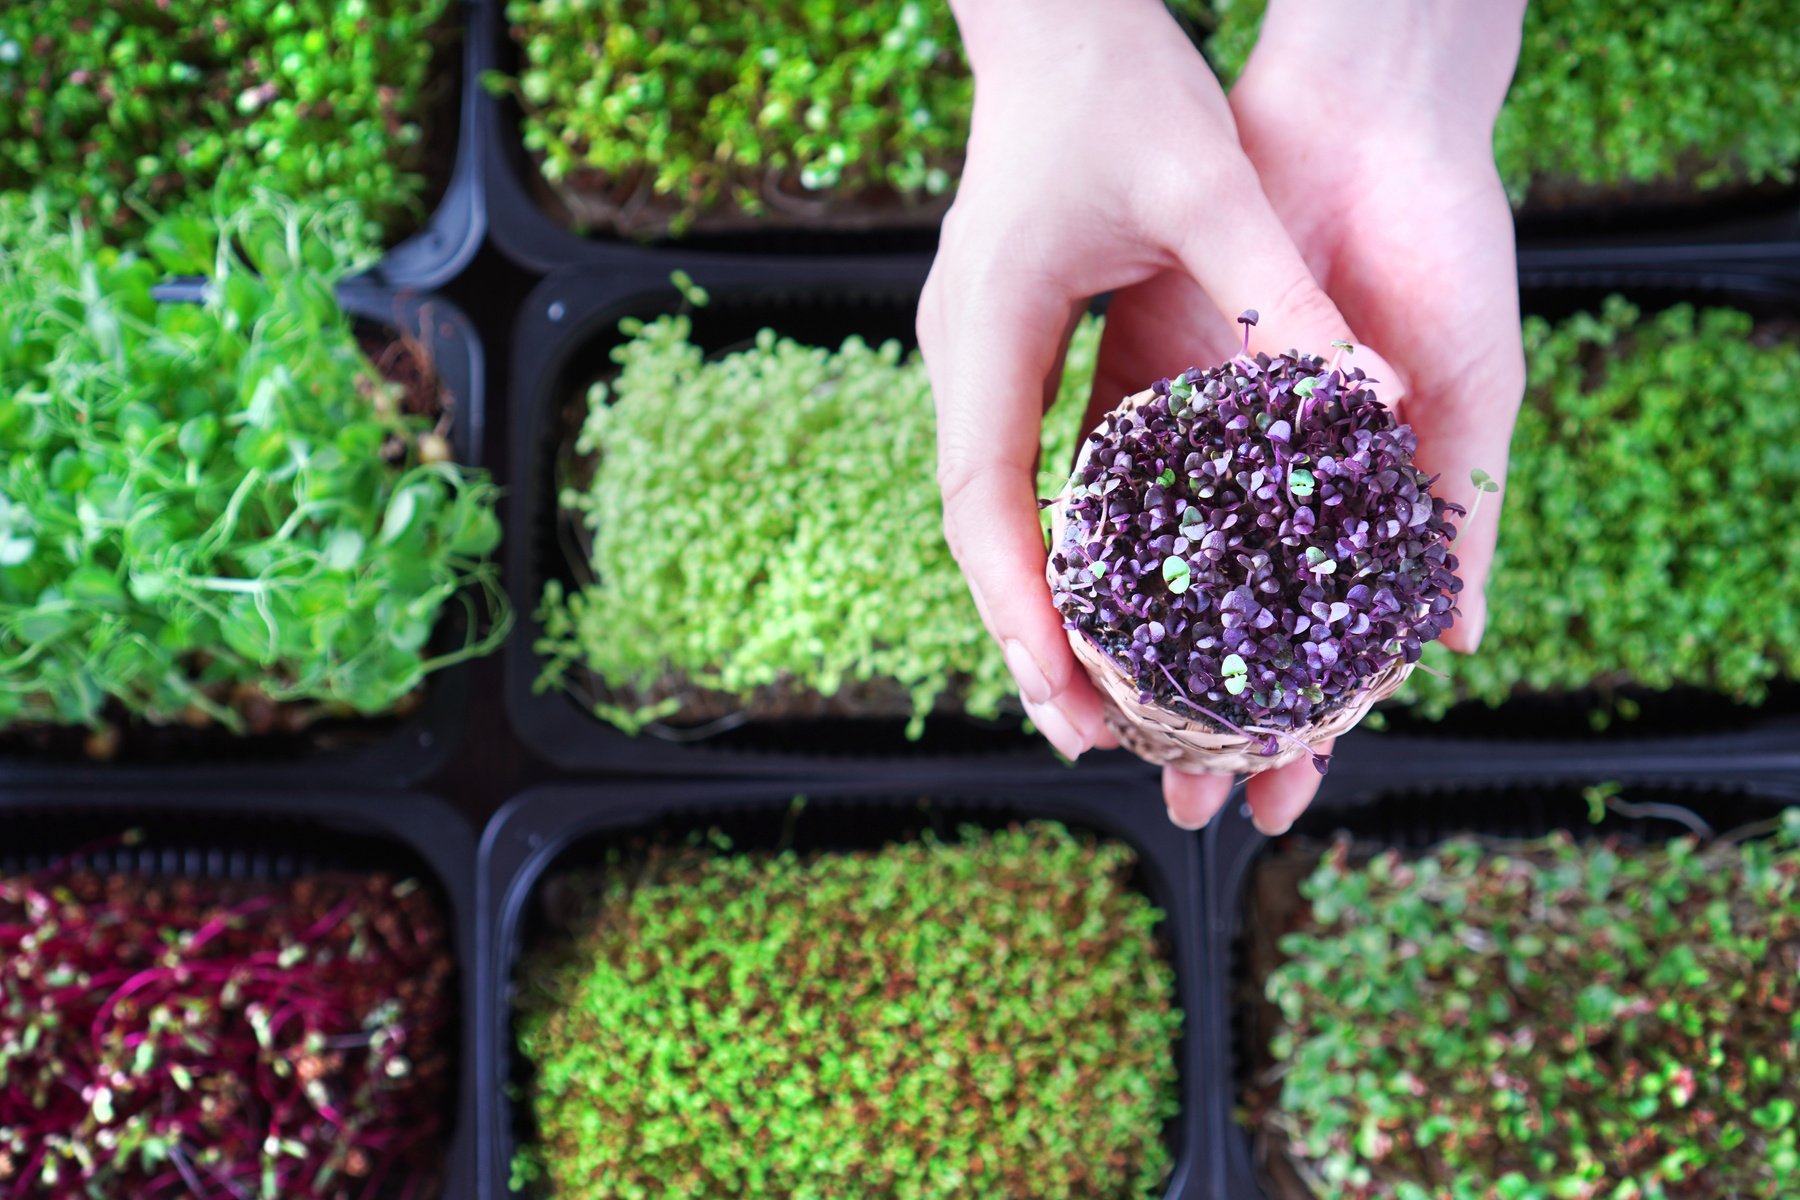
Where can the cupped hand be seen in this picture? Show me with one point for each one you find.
(1371, 128)
(1102, 156)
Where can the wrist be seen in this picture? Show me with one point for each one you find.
(999, 33)
(1439, 68)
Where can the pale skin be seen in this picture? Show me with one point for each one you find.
(1346, 190)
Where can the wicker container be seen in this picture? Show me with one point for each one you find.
(1160, 735)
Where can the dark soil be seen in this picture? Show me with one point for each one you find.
(589, 201)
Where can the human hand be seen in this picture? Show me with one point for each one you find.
(1102, 154)
(1371, 128)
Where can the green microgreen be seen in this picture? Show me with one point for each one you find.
(782, 108)
(189, 106)
(990, 1016)
(743, 542)
(207, 507)
(1699, 95)
(1648, 536)
(1544, 1019)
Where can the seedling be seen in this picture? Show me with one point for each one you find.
(990, 1016)
(1256, 592)
(220, 1040)
(742, 552)
(218, 513)
(785, 109)
(1644, 498)
(1544, 1018)
(116, 112)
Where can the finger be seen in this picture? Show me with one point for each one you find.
(1465, 362)
(1278, 797)
(1193, 800)
(1155, 330)
(1453, 441)
(1464, 424)
(991, 334)
(1242, 257)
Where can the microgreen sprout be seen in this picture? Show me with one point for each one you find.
(1544, 1018)
(801, 112)
(1236, 674)
(187, 107)
(1484, 484)
(177, 1037)
(220, 513)
(1245, 584)
(1723, 119)
(818, 570)
(1644, 497)
(988, 1016)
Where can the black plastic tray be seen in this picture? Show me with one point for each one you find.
(1412, 816)
(541, 242)
(551, 829)
(415, 745)
(1764, 213)
(273, 837)
(451, 235)
(564, 330)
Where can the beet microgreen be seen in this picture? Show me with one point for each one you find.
(749, 553)
(990, 1016)
(188, 106)
(207, 509)
(1544, 1019)
(164, 1038)
(1271, 544)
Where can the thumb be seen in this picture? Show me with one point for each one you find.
(1257, 267)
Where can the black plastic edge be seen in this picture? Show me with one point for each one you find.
(524, 839)
(1231, 846)
(428, 827)
(421, 741)
(453, 232)
(555, 322)
(518, 224)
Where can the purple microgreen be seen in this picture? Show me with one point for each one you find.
(1245, 587)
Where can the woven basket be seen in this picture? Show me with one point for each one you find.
(1160, 735)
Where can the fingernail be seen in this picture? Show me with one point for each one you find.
(1034, 685)
(1475, 620)
(1269, 830)
(1181, 824)
(1057, 727)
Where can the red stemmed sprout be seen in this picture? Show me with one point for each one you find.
(175, 1038)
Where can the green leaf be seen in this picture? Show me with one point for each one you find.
(16, 549)
(1176, 574)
